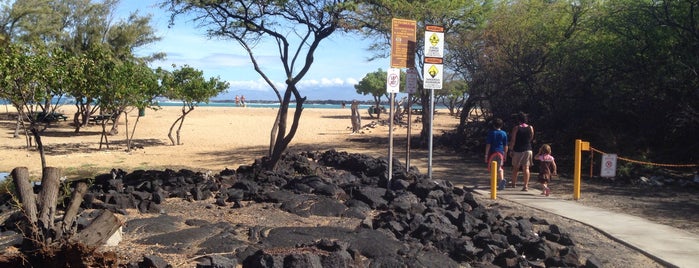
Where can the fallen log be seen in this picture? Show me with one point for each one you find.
(72, 211)
(99, 230)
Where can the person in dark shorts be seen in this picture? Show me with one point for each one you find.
(521, 139)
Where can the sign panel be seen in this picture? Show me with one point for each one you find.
(403, 43)
(432, 76)
(393, 80)
(608, 165)
(411, 81)
(434, 44)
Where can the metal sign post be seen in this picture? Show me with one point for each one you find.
(432, 74)
(410, 88)
(403, 40)
(392, 87)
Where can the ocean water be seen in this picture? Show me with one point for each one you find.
(266, 105)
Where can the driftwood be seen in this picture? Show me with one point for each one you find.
(40, 220)
(101, 229)
(72, 211)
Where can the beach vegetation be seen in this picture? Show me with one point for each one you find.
(188, 85)
(58, 48)
(453, 94)
(621, 74)
(293, 29)
(374, 84)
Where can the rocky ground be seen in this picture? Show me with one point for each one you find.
(332, 209)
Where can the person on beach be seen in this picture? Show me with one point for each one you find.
(237, 100)
(547, 168)
(496, 149)
(521, 139)
(242, 100)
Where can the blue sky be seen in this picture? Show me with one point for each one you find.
(340, 61)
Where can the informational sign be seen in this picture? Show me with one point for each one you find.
(432, 75)
(434, 52)
(393, 80)
(411, 81)
(608, 165)
(434, 41)
(403, 43)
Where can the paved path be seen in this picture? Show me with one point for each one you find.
(667, 245)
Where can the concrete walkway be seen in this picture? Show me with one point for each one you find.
(667, 245)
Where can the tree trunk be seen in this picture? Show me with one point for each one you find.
(39, 145)
(126, 122)
(283, 138)
(169, 133)
(103, 137)
(115, 123)
(356, 117)
(20, 177)
(101, 229)
(184, 114)
(50, 182)
(72, 211)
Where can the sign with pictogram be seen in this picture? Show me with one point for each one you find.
(434, 41)
(608, 165)
(393, 80)
(403, 43)
(434, 52)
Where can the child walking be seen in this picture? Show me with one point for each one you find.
(496, 149)
(547, 168)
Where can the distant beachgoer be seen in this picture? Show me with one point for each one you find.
(547, 168)
(242, 100)
(237, 100)
(343, 105)
(496, 149)
(521, 139)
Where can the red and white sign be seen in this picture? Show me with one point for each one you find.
(393, 80)
(608, 165)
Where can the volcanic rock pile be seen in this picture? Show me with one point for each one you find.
(411, 221)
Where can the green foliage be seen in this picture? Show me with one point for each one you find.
(373, 84)
(620, 74)
(452, 95)
(189, 85)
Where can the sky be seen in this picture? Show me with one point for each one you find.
(340, 61)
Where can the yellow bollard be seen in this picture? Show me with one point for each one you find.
(579, 147)
(576, 170)
(494, 180)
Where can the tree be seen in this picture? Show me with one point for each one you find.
(188, 85)
(30, 78)
(453, 94)
(375, 84)
(129, 85)
(590, 70)
(296, 27)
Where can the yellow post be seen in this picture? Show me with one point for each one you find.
(494, 180)
(579, 147)
(576, 170)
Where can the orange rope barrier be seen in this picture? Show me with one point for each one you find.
(646, 163)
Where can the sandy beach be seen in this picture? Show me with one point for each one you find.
(213, 138)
